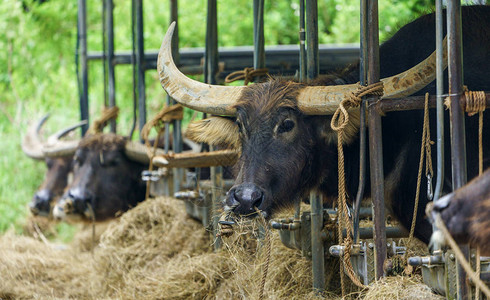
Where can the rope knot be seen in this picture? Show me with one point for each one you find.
(108, 113)
(166, 115)
(340, 118)
(247, 75)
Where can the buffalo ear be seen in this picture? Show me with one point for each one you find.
(215, 131)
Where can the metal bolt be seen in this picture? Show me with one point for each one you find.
(371, 245)
(451, 257)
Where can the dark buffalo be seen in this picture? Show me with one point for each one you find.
(106, 179)
(58, 167)
(466, 214)
(289, 149)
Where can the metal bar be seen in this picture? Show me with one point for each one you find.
(211, 51)
(317, 251)
(313, 65)
(440, 102)
(362, 127)
(82, 31)
(177, 126)
(412, 103)
(259, 51)
(302, 40)
(367, 233)
(110, 57)
(140, 63)
(375, 142)
(104, 46)
(457, 126)
(133, 70)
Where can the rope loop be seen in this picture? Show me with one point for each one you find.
(475, 102)
(247, 75)
(108, 113)
(340, 118)
(166, 115)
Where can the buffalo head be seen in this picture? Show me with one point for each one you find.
(106, 179)
(58, 165)
(281, 131)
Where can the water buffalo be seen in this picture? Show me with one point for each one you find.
(466, 214)
(58, 167)
(106, 179)
(283, 128)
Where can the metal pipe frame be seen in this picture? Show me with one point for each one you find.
(457, 125)
(83, 93)
(140, 64)
(375, 141)
(177, 124)
(317, 247)
(259, 41)
(302, 41)
(110, 58)
(413, 103)
(440, 102)
(312, 61)
(362, 127)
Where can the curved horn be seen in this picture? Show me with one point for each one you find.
(213, 99)
(324, 100)
(31, 144)
(56, 148)
(138, 152)
(312, 100)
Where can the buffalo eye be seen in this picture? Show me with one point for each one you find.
(239, 125)
(286, 126)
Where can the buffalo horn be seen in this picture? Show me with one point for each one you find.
(31, 144)
(313, 100)
(55, 147)
(138, 152)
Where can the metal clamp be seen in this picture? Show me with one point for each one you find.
(154, 175)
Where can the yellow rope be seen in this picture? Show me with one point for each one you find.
(425, 144)
(340, 119)
(247, 75)
(108, 113)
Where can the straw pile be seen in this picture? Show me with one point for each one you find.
(155, 251)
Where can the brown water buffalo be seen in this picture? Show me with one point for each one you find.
(283, 128)
(466, 214)
(58, 167)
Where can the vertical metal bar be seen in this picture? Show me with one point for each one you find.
(104, 51)
(375, 142)
(140, 63)
(458, 143)
(82, 31)
(133, 71)
(259, 52)
(210, 71)
(110, 59)
(211, 51)
(440, 99)
(302, 40)
(362, 128)
(313, 63)
(317, 251)
(313, 66)
(177, 145)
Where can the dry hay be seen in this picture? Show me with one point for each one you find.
(155, 251)
(400, 288)
(32, 269)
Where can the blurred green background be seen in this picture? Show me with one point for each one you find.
(37, 65)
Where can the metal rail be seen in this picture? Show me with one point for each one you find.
(82, 38)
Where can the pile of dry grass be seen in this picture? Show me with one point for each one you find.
(155, 251)
(32, 269)
(400, 288)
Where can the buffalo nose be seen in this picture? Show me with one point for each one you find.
(80, 199)
(41, 202)
(245, 198)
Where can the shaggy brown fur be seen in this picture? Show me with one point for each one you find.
(103, 142)
(215, 131)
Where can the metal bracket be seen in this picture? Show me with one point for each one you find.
(154, 175)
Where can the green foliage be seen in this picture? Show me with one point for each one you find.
(37, 64)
